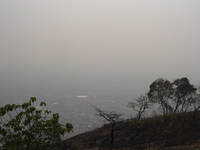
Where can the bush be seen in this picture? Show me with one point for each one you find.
(25, 127)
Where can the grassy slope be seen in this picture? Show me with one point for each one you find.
(177, 131)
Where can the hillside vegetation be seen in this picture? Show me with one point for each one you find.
(176, 127)
(175, 131)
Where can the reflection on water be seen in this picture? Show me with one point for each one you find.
(82, 96)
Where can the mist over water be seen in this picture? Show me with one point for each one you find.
(108, 51)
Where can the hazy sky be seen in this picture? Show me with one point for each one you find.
(93, 42)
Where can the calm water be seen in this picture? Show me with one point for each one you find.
(74, 105)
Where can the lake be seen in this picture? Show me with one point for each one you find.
(74, 105)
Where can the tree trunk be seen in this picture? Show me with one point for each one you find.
(195, 112)
(112, 134)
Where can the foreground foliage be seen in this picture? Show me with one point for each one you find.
(25, 127)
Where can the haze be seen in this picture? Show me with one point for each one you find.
(82, 46)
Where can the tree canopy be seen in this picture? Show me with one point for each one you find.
(160, 92)
(176, 96)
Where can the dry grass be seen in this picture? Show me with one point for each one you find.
(174, 131)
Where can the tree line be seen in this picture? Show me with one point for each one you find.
(172, 97)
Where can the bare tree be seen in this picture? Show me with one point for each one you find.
(111, 117)
(141, 104)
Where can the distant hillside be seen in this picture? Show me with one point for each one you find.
(173, 132)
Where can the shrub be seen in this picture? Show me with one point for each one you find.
(25, 127)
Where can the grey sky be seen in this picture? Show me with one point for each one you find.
(113, 41)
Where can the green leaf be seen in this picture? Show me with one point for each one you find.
(42, 104)
(69, 127)
(33, 99)
(28, 127)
